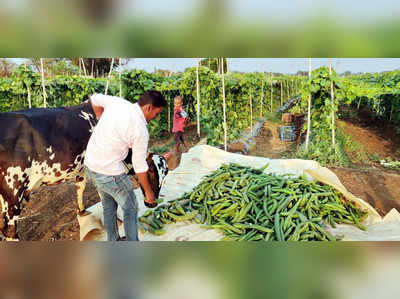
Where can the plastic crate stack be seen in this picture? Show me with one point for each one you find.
(287, 133)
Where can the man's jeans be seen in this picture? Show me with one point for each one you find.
(113, 191)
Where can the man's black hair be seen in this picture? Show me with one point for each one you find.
(153, 97)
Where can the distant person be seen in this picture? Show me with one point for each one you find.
(122, 125)
(180, 117)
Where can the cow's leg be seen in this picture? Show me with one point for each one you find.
(3, 219)
(12, 229)
(8, 224)
(80, 187)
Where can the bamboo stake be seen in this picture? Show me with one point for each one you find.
(84, 68)
(271, 92)
(29, 97)
(262, 96)
(44, 90)
(281, 95)
(309, 108)
(287, 88)
(79, 66)
(198, 97)
(120, 82)
(92, 67)
(291, 86)
(109, 75)
(224, 105)
(169, 109)
(169, 114)
(251, 112)
(29, 91)
(333, 106)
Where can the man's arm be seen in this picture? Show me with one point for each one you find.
(99, 102)
(139, 142)
(144, 182)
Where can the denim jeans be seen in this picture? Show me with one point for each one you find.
(113, 191)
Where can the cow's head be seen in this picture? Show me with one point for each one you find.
(157, 172)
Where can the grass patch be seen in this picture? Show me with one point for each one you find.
(346, 152)
(274, 117)
(162, 148)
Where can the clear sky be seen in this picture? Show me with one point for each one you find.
(278, 65)
(282, 65)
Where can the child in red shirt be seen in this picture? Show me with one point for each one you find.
(180, 117)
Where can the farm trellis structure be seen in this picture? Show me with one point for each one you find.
(308, 109)
(202, 91)
(70, 90)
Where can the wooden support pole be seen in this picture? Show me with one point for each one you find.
(309, 109)
(29, 97)
(29, 91)
(292, 87)
(198, 97)
(272, 88)
(83, 66)
(224, 104)
(169, 108)
(120, 82)
(287, 89)
(281, 94)
(262, 96)
(251, 112)
(333, 106)
(92, 67)
(43, 85)
(109, 75)
(169, 114)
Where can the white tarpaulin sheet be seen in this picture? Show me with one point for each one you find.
(201, 160)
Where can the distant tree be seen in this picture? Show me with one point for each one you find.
(6, 67)
(214, 64)
(99, 67)
(347, 73)
(302, 73)
(64, 67)
(163, 73)
(48, 64)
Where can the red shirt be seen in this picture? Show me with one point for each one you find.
(179, 120)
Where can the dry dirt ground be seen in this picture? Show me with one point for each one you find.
(50, 214)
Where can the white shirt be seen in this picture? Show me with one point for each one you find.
(121, 126)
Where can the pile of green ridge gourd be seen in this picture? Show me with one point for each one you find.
(249, 205)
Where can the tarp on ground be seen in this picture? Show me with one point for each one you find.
(201, 160)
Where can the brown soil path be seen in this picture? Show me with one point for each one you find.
(50, 214)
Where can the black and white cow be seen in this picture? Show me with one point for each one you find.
(46, 147)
